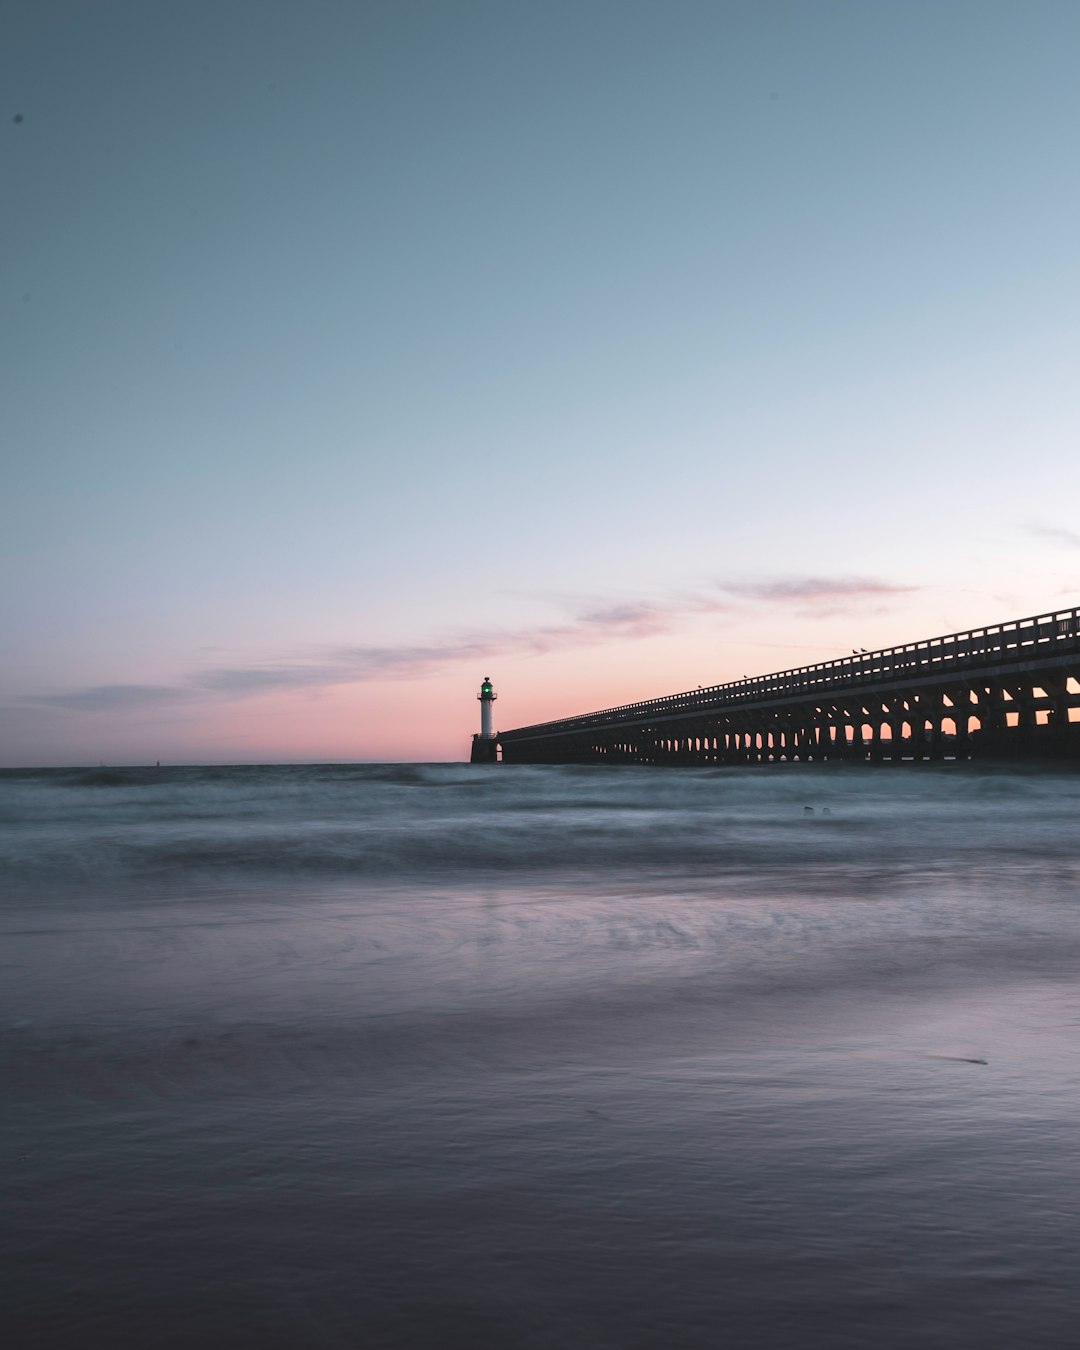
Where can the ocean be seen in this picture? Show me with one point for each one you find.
(441, 1056)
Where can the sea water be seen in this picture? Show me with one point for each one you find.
(442, 1056)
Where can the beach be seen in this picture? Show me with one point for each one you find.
(432, 1055)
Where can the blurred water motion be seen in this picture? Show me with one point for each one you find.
(438, 1056)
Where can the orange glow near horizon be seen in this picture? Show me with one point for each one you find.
(432, 715)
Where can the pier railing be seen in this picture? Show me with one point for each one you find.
(1003, 643)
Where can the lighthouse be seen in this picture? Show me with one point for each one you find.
(487, 697)
(484, 746)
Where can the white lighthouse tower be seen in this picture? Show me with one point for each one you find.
(487, 697)
(485, 746)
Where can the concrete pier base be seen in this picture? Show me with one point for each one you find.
(485, 750)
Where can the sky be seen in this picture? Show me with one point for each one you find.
(355, 351)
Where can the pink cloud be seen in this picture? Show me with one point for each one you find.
(593, 622)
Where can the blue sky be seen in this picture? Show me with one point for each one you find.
(351, 349)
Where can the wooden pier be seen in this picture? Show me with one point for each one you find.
(1010, 691)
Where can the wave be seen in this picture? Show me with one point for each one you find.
(176, 827)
